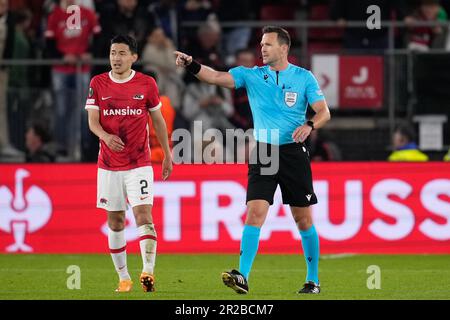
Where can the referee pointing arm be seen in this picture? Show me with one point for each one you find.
(279, 93)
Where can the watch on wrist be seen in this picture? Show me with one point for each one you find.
(310, 123)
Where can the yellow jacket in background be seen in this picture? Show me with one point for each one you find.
(412, 155)
(447, 156)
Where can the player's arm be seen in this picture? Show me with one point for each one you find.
(319, 119)
(161, 133)
(113, 142)
(206, 74)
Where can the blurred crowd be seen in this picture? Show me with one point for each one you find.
(40, 115)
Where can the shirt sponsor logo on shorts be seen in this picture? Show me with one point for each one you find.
(103, 201)
(308, 196)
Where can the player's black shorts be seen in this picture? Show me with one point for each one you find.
(293, 176)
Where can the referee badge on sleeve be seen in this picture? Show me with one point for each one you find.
(290, 98)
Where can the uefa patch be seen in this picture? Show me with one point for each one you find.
(91, 92)
(138, 96)
(290, 98)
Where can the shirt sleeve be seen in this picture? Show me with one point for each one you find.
(313, 92)
(92, 98)
(239, 75)
(153, 101)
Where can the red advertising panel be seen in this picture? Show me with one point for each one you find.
(363, 208)
(360, 82)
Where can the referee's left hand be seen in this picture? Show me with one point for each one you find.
(301, 133)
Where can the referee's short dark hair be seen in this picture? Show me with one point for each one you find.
(128, 40)
(282, 34)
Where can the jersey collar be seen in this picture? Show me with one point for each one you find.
(122, 80)
(281, 71)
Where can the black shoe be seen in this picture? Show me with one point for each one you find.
(310, 287)
(236, 281)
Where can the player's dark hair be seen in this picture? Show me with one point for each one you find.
(128, 40)
(283, 36)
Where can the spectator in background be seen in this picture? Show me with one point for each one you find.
(197, 10)
(19, 99)
(242, 114)
(321, 148)
(37, 140)
(73, 46)
(364, 38)
(168, 113)
(167, 16)
(422, 38)
(88, 4)
(242, 117)
(237, 38)
(211, 105)
(36, 7)
(7, 36)
(127, 18)
(193, 10)
(204, 102)
(206, 47)
(447, 156)
(157, 57)
(405, 148)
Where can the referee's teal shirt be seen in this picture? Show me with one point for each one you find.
(278, 100)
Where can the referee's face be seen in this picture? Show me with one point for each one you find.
(271, 50)
(121, 58)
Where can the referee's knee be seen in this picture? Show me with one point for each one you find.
(303, 222)
(255, 217)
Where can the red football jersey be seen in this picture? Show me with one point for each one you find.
(123, 106)
(72, 41)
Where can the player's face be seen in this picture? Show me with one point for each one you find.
(121, 58)
(271, 50)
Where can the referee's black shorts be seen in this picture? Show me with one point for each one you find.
(293, 176)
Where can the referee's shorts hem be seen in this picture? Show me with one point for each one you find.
(270, 201)
(300, 204)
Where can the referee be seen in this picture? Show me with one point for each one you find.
(279, 93)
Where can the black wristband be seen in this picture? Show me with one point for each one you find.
(194, 67)
(310, 123)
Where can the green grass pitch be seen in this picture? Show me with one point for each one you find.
(179, 277)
